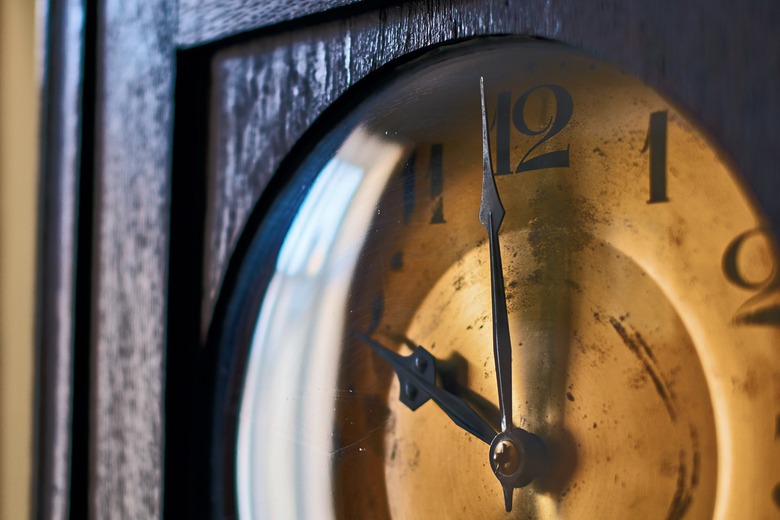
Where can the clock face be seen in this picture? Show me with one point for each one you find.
(619, 277)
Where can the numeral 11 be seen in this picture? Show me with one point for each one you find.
(435, 174)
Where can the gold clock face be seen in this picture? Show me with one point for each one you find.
(641, 298)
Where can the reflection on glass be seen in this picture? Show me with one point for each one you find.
(314, 228)
(286, 419)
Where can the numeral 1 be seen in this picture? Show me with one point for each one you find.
(656, 143)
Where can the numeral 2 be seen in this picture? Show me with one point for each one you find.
(764, 307)
(564, 107)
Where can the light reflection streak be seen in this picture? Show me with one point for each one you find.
(314, 229)
(285, 443)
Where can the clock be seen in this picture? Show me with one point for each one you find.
(506, 280)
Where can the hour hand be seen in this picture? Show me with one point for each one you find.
(417, 375)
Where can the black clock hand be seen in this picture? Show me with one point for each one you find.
(417, 375)
(491, 213)
(516, 455)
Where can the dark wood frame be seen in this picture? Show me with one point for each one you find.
(114, 74)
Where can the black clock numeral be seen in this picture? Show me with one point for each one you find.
(435, 176)
(764, 307)
(502, 122)
(408, 176)
(564, 108)
(730, 261)
(656, 144)
(377, 310)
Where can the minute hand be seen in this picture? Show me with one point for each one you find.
(491, 213)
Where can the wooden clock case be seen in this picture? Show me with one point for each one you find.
(159, 149)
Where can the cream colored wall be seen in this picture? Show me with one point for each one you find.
(18, 212)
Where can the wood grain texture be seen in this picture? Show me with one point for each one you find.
(711, 58)
(60, 162)
(265, 97)
(132, 163)
(207, 20)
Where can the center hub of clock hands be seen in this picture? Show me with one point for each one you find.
(516, 457)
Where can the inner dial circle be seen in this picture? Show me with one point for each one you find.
(613, 257)
(621, 402)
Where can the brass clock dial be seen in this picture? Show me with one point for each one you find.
(637, 280)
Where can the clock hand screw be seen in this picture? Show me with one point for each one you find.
(420, 364)
(506, 458)
(410, 390)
